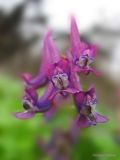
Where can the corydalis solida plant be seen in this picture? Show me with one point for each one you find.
(59, 74)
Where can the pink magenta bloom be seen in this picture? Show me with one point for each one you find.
(86, 103)
(55, 69)
(57, 73)
(83, 54)
(41, 79)
(33, 104)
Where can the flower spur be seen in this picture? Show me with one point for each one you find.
(83, 54)
(41, 79)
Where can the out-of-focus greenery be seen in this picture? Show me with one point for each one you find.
(18, 138)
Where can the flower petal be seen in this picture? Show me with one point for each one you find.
(41, 78)
(56, 103)
(71, 90)
(25, 115)
(48, 92)
(38, 81)
(26, 77)
(64, 65)
(53, 50)
(91, 91)
(46, 57)
(74, 78)
(94, 50)
(82, 70)
(100, 118)
(79, 100)
(44, 103)
(32, 94)
(83, 121)
(74, 37)
(97, 73)
(87, 71)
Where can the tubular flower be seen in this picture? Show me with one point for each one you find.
(41, 79)
(34, 104)
(59, 70)
(86, 103)
(59, 79)
(83, 54)
(55, 70)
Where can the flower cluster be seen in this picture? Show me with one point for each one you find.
(60, 75)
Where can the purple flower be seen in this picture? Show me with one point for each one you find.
(86, 103)
(55, 69)
(33, 104)
(83, 54)
(41, 79)
(57, 73)
(59, 70)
